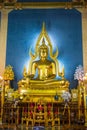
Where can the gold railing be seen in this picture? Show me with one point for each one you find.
(19, 115)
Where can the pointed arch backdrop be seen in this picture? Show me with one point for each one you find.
(65, 31)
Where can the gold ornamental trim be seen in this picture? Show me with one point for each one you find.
(41, 5)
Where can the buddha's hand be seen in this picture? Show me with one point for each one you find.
(61, 74)
(52, 76)
(31, 76)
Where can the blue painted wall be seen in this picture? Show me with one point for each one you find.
(64, 29)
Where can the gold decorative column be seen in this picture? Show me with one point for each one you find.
(79, 99)
(85, 98)
(83, 12)
(85, 104)
(2, 98)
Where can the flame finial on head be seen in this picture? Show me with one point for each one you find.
(43, 28)
(43, 45)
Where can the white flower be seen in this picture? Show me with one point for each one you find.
(66, 96)
(79, 73)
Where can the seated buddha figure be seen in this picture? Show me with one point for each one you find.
(45, 67)
(43, 71)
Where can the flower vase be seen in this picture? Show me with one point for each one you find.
(66, 103)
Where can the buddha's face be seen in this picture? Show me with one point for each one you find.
(43, 53)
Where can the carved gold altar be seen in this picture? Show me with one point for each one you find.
(39, 99)
(44, 77)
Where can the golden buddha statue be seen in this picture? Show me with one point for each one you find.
(42, 72)
(46, 68)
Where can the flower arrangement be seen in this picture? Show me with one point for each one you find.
(79, 73)
(40, 108)
(8, 73)
(66, 97)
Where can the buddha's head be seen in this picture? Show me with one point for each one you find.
(43, 50)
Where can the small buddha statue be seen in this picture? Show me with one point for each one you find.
(46, 68)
